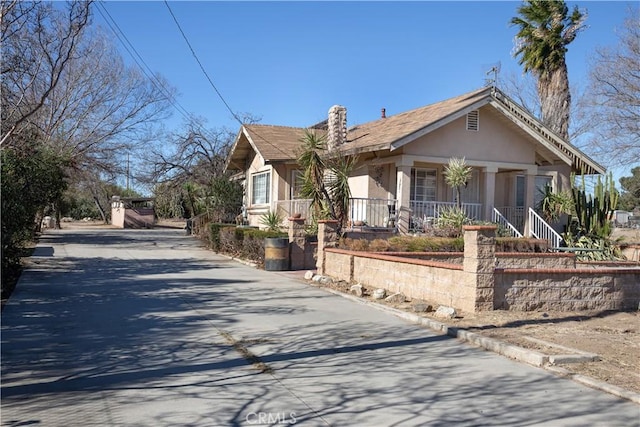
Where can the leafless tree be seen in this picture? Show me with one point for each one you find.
(613, 101)
(38, 44)
(64, 82)
(195, 153)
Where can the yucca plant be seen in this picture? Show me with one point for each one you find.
(456, 175)
(272, 220)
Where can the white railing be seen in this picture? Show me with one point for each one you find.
(539, 229)
(425, 214)
(424, 209)
(286, 208)
(514, 215)
(499, 219)
(379, 213)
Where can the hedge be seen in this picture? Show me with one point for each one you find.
(243, 242)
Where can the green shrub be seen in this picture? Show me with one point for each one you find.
(272, 220)
(521, 244)
(214, 235)
(453, 218)
(243, 242)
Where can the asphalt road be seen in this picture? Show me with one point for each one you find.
(145, 328)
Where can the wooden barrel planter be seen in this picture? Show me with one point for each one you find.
(276, 253)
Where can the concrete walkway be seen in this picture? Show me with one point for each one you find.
(145, 328)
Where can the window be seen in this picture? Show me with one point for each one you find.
(423, 185)
(520, 189)
(260, 188)
(541, 183)
(296, 184)
(473, 120)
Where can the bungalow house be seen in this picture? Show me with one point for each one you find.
(399, 179)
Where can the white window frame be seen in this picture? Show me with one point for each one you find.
(431, 176)
(296, 184)
(267, 196)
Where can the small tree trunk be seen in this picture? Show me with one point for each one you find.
(102, 214)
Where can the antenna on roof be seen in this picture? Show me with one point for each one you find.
(491, 76)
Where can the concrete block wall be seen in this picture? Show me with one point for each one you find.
(535, 260)
(550, 282)
(567, 289)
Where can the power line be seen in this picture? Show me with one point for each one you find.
(120, 35)
(184, 36)
(235, 116)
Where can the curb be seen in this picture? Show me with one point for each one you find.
(511, 351)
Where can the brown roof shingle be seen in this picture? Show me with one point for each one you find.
(382, 133)
(276, 143)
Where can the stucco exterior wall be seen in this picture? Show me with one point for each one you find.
(117, 214)
(494, 141)
(359, 182)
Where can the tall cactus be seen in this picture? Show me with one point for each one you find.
(593, 211)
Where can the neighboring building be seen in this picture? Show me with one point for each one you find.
(132, 212)
(399, 179)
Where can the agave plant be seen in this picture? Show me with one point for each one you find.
(272, 220)
(457, 174)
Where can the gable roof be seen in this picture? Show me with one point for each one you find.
(281, 143)
(393, 132)
(272, 143)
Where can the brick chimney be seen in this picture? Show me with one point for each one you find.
(337, 127)
(383, 113)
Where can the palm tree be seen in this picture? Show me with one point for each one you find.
(545, 30)
(457, 174)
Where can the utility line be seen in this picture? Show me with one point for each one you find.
(235, 116)
(147, 72)
(184, 36)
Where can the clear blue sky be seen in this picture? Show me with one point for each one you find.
(289, 62)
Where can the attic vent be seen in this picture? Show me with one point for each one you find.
(473, 120)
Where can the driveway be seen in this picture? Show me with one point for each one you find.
(145, 328)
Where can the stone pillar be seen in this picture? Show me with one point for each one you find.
(403, 192)
(297, 242)
(489, 192)
(327, 238)
(479, 262)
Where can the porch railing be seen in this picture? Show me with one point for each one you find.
(514, 215)
(502, 222)
(286, 208)
(425, 214)
(539, 229)
(380, 213)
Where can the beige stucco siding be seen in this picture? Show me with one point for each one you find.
(359, 182)
(493, 142)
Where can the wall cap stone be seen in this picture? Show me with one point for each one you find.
(479, 227)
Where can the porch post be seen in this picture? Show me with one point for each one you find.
(530, 188)
(489, 191)
(403, 193)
